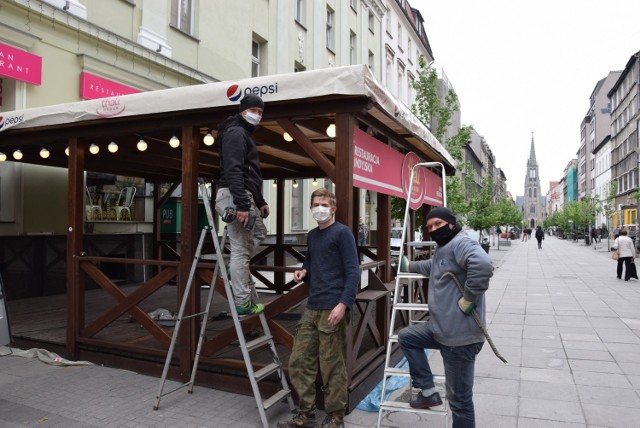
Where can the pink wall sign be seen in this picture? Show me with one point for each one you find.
(380, 168)
(20, 65)
(93, 87)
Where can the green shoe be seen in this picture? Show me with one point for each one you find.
(250, 308)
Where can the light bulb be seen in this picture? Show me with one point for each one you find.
(274, 184)
(142, 145)
(112, 147)
(314, 182)
(208, 139)
(174, 142)
(331, 131)
(44, 153)
(3, 157)
(295, 183)
(66, 151)
(287, 137)
(17, 155)
(94, 149)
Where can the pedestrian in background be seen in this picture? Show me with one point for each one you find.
(627, 252)
(539, 236)
(450, 328)
(362, 236)
(332, 271)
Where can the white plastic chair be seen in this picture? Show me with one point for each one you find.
(92, 207)
(124, 202)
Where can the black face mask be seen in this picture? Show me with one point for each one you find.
(443, 234)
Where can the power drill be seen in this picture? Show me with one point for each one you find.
(229, 214)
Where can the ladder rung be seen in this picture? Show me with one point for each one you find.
(408, 275)
(396, 371)
(275, 398)
(411, 306)
(212, 257)
(393, 338)
(266, 371)
(197, 314)
(256, 343)
(403, 406)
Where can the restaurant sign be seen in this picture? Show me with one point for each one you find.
(20, 65)
(380, 168)
(93, 87)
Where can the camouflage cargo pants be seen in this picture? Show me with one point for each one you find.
(318, 342)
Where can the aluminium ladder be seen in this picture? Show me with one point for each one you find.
(410, 307)
(246, 346)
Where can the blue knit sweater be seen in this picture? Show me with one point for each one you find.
(332, 267)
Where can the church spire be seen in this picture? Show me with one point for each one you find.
(532, 154)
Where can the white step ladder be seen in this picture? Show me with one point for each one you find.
(415, 307)
(246, 346)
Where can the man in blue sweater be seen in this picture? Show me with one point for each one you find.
(331, 269)
(449, 329)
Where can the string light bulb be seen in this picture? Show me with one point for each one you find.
(94, 149)
(17, 155)
(288, 138)
(174, 142)
(142, 145)
(295, 183)
(208, 139)
(3, 157)
(331, 131)
(314, 182)
(66, 151)
(44, 153)
(274, 184)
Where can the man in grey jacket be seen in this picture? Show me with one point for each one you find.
(449, 329)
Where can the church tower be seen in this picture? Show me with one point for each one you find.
(532, 207)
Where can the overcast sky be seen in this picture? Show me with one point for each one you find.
(522, 66)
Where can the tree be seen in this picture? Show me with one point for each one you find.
(507, 213)
(482, 212)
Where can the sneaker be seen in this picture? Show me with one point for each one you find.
(332, 422)
(250, 308)
(299, 420)
(422, 402)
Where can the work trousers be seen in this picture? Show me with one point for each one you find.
(318, 344)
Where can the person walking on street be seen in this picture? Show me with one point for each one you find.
(332, 271)
(450, 328)
(362, 237)
(627, 251)
(539, 236)
(239, 200)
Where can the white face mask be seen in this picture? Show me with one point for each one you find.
(321, 214)
(252, 118)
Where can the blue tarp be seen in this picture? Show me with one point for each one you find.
(371, 403)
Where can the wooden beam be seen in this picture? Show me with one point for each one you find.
(318, 157)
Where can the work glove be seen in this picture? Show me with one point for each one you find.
(466, 306)
(403, 265)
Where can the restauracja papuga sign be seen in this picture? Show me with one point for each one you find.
(380, 168)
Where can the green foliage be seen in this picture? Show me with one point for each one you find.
(508, 213)
(482, 213)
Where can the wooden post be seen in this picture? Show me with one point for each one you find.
(344, 168)
(188, 242)
(279, 254)
(384, 235)
(75, 221)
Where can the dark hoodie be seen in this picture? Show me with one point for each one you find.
(239, 162)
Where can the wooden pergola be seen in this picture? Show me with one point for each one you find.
(311, 154)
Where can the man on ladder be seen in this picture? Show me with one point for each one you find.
(459, 275)
(239, 200)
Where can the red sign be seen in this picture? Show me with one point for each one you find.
(20, 65)
(380, 168)
(93, 87)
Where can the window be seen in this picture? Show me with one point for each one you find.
(372, 22)
(330, 23)
(354, 5)
(255, 58)
(388, 24)
(300, 11)
(400, 80)
(371, 61)
(400, 37)
(352, 48)
(409, 50)
(182, 15)
(297, 205)
(387, 71)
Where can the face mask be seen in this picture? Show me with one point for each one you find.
(442, 235)
(252, 118)
(321, 214)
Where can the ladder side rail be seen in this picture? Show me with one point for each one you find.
(176, 329)
(210, 294)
